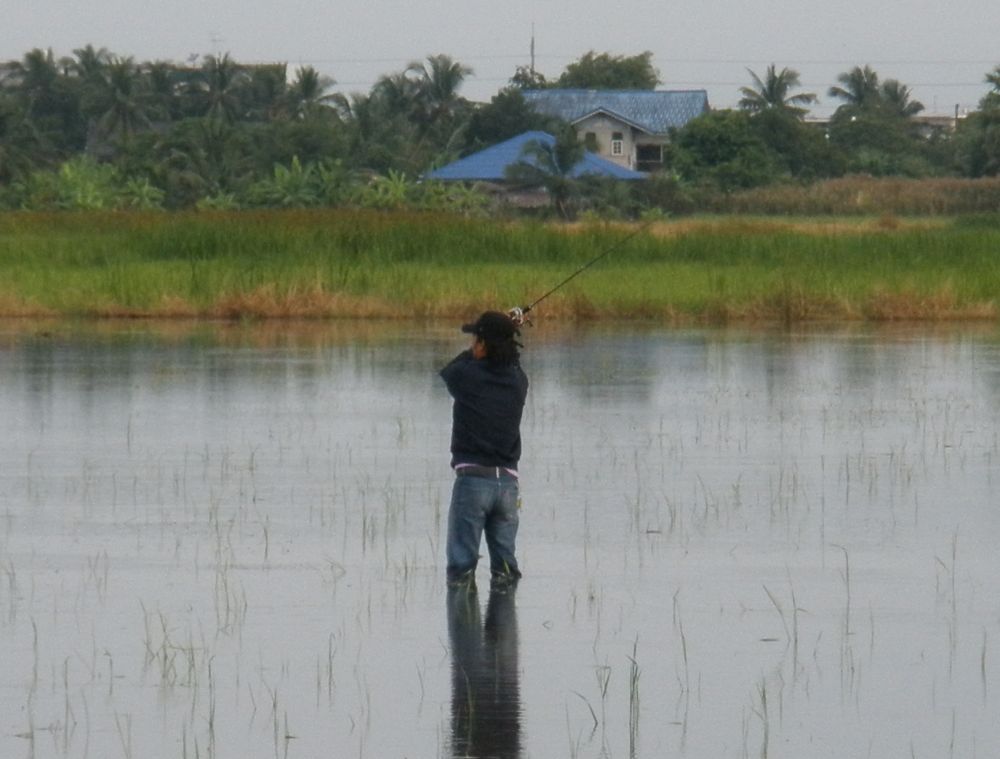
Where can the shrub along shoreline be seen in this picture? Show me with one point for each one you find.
(354, 264)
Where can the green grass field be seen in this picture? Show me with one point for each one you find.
(347, 264)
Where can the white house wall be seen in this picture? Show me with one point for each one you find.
(603, 128)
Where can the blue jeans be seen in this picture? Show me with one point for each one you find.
(481, 504)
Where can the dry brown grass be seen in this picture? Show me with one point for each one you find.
(754, 225)
(312, 303)
(872, 196)
(791, 307)
(913, 306)
(13, 306)
(784, 308)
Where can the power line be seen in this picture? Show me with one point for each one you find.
(698, 84)
(697, 61)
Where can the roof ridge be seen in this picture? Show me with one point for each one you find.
(653, 111)
(603, 91)
(489, 163)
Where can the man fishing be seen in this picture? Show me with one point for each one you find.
(489, 388)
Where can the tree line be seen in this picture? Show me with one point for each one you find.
(99, 130)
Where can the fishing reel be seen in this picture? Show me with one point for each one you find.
(518, 315)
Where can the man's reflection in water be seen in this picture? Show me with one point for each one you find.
(485, 694)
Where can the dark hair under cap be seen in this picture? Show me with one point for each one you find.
(498, 332)
(492, 325)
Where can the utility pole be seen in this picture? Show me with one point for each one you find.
(532, 50)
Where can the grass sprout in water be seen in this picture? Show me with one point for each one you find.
(227, 540)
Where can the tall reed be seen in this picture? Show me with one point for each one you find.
(368, 264)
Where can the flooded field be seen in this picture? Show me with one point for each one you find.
(228, 542)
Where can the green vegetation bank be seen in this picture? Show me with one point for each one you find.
(355, 264)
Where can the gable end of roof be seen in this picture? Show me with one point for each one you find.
(611, 114)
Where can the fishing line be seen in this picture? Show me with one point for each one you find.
(525, 309)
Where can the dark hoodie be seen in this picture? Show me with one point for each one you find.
(486, 416)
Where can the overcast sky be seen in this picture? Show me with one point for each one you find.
(942, 52)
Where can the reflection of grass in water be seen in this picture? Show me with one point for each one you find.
(13, 592)
(233, 532)
(883, 476)
(982, 666)
(633, 700)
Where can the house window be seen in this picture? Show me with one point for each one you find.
(617, 144)
(648, 157)
(590, 142)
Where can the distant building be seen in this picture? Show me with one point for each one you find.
(488, 169)
(627, 127)
(928, 124)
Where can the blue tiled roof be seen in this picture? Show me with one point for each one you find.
(490, 165)
(654, 111)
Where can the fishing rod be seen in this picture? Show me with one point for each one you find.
(518, 313)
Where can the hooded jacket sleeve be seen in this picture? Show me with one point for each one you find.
(454, 370)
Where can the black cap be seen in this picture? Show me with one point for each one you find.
(492, 325)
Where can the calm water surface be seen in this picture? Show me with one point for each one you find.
(228, 541)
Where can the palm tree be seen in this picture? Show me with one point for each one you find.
(36, 75)
(50, 103)
(268, 91)
(396, 93)
(123, 99)
(550, 165)
(991, 99)
(896, 99)
(86, 74)
(17, 144)
(308, 93)
(163, 82)
(221, 83)
(440, 79)
(859, 90)
(204, 157)
(90, 64)
(993, 78)
(773, 92)
(862, 92)
(380, 136)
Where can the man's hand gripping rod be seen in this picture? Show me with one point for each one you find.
(518, 314)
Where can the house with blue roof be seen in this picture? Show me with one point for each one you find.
(626, 127)
(490, 165)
